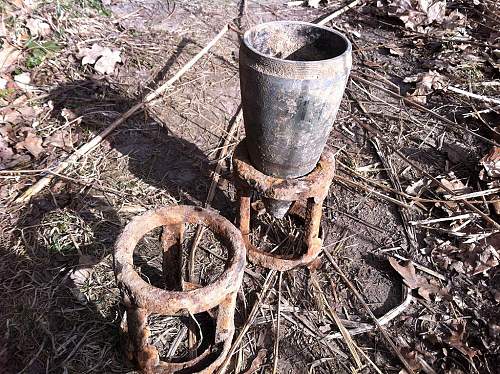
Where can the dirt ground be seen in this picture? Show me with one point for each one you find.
(418, 168)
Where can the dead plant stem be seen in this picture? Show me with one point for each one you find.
(251, 317)
(418, 168)
(369, 311)
(446, 122)
(278, 326)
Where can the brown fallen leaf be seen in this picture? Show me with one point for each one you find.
(416, 14)
(6, 153)
(452, 183)
(257, 361)
(426, 83)
(415, 282)
(7, 132)
(38, 27)
(19, 111)
(467, 258)
(480, 257)
(411, 358)
(8, 58)
(32, 143)
(103, 58)
(61, 139)
(456, 339)
(491, 163)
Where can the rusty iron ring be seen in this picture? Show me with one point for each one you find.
(286, 262)
(315, 184)
(175, 302)
(312, 188)
(142, 299)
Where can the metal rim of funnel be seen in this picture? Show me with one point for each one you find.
(248, 43)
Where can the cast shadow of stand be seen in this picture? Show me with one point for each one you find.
(50, 326)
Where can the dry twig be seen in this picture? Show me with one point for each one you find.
(345, 333)
(418, 168)
(251, 317)
(473, 95)
(278, 326)
(339, 12)
(370, 313)
(446, 122)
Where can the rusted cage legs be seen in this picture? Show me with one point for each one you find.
(138, 350)
(142, 299)
(307, 193)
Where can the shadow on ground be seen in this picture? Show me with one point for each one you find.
(50, 324)
(154, 155)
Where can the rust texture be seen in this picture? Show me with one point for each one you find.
(141, 299)
(307, 192)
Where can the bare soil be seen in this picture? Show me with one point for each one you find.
(52, 323)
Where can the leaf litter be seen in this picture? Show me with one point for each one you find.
(462, 249)
(104, 59)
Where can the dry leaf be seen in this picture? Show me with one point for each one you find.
(412, 358)
(417, 187)
(6, 153)
(454, 20)
(468, 258)
(38, 27)
(23, 4)
(18, 112)
(104, 58)
(82, 272)
(452, 183)
(395, 51)
(491, 163)
(7, 133)
(32, 143)
(8, 58)
(416, 14)
(91, 55)
(456, 340)
(426, 83)
(415, 282)
(80, 275)
(61, 139)
(259, 207)
(481, 258)
(23, 81)
(313, 3)
(257, 362)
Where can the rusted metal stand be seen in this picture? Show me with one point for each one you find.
(141, 298)
(309, 191)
